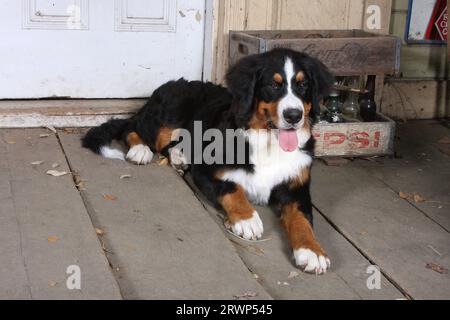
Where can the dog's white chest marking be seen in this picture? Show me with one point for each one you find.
(272, 166)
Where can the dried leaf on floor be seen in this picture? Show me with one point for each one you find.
(80, 185)
(52, 239)
(44, 135)
(99, 231)
(403, 195)
(56, 173)
(51, 128)
(36, 163)
(293, 274)
(109, 197)
(69, 130)
(245, 295)
(10, 142)
(163, 162)
(125, 176)
(437, 268)
(78, 179)
(52, 284)
(55, 165)
(104, 247)
(418, 198)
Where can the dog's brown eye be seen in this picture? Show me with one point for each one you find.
(275, 85)
(302, 84)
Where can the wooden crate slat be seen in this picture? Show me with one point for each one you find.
(344, 52)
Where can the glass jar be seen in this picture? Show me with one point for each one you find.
(334, 107)
(350, 108)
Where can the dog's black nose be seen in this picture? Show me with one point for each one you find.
(292, 115)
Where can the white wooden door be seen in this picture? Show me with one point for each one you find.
(97, 48)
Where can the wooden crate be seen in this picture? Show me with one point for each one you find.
(344, 52)
(355, 139)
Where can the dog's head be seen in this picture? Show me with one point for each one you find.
(280, 89)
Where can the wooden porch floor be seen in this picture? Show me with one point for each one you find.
(143, 233)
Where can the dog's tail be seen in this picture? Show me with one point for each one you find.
(99, 138)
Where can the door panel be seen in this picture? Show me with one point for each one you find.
(62, 14)
(140, 15)
(145, 9)
(97, 48)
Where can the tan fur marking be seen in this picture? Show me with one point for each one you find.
(264, 112)
(300, 76)
(164, 138)
(134, 139)
(236, 205)
(301, 179)
(307, 107)
(219, 174)
(278, 78)
(299, 229)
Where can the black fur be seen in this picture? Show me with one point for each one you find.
(252, 76)
(177, 104)
(104, 134)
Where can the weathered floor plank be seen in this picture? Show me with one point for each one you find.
(423, 168)
(44, 226)
(162, 242)
(395, 235)
(271, 259)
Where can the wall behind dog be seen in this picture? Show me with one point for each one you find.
(284, 15)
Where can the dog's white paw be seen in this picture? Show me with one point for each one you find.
(250, 229)
(311, 262)
(177, 159)
(140, 154)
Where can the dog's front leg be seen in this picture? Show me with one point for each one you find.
(308, 253)
(244, 219)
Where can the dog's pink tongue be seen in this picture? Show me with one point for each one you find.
(288, 140)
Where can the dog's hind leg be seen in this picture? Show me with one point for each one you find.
(165, 144)
(161, 141)
(139, 153)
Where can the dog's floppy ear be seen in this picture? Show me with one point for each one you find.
(241, 81)
(321, 82)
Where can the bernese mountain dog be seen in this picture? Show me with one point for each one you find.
(271, 98)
